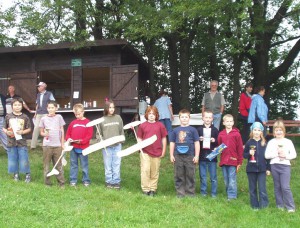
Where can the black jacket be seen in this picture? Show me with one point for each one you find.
(205, 152)
(261, 164)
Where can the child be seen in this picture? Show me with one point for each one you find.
(110, 127)
(232, 156)
(52, 129)
(150, 159)
(184, 153)
(17, 148)
(281, 150)
(257, 167)
(79, 135)
(208, 141)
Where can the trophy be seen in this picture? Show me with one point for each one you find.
(252, 158)
(280, 150)
(46, 130)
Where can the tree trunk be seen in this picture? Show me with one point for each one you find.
(173, 64)
(184, 73)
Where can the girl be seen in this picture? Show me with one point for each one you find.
(281, 150)
(150, 159)
(110, 127)
(257, 167)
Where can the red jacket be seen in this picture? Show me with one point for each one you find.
(233, 154)
(245, 103)
(78, 130)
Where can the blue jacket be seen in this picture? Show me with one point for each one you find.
(258, 109)
(262, 164)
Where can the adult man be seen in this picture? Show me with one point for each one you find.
(43, 97)
(10, 96)
(164, 106)
(214, 101)
(3, 136)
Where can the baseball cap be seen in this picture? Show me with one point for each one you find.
(42, 84)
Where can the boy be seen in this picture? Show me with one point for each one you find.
(52, 129)
(79, 135)
(232, 156)
(208, 141)
(150, 159)
(17, 150)
(184, 154)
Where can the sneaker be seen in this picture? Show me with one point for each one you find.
(27, 178)
(86, 184)
(116, 186)
(152, 193)
(73, 184)
(291, 211)
(16, 177)
(146, 193)
(108, 185)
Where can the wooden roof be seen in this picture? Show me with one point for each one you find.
(121, 44)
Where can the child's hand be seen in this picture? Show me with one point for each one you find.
(196, 159)
(201, 138)
(10, 132)
(20, 132)
(172, 159)
(212, 140)
(268, 172)
(238, 168)
(281, 154)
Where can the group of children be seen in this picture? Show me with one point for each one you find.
(186, 142)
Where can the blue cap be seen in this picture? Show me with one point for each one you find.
(257, 125)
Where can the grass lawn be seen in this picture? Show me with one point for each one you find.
(35, 205)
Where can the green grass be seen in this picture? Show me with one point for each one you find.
(35, 205)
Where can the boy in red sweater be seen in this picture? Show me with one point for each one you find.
(232, 156)
(79, 136)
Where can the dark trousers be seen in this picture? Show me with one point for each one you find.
(258, 179)
(283, 194)
(245, 130)
(184, 175)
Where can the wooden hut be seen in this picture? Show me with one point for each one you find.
(75, 74)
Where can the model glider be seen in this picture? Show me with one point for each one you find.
(103, 144)
(55, 171)
(139, 146)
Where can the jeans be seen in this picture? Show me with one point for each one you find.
(84, 162)
(212, 169)
(112, 164)
(18, 160)
(258, 179)
(283, 194)
(217, 120)
(229, 174)
(168, 124)
(3, 136)
(184, 175)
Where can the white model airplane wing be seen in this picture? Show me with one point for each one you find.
(95, 122)
(103, 144)
(138, 146)
(132, 124)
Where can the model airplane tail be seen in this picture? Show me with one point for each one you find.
(137, 147)
(103, 144)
